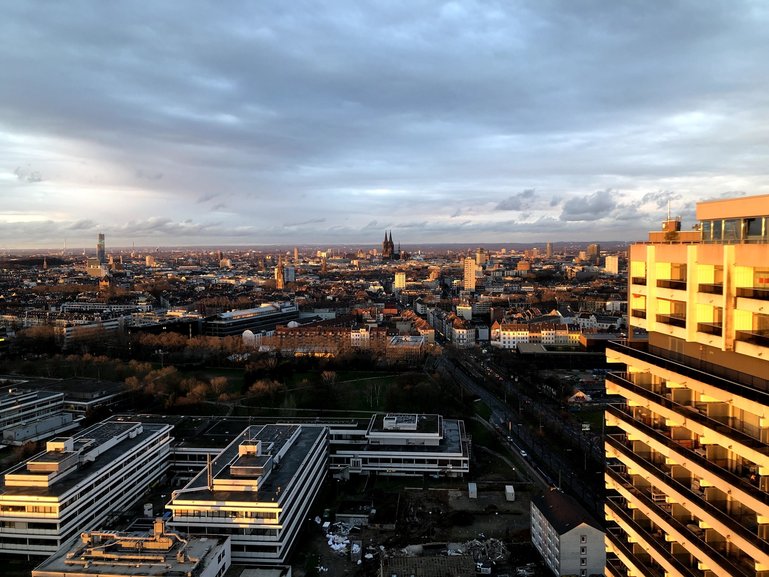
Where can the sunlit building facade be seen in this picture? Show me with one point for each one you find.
(688, 450)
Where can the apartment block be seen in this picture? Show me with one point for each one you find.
(688, 448)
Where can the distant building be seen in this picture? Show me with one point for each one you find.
(469, 274)
(612, 264)
(28, 415)
(101, 250)
(261, 319)
(77, 482)
(569, 539)
(258, 491)
(113, 554)
(549, 250)
(593, 252)
(388, 248)
(400, 281)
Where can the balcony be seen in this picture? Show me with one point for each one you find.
(695, 456)
(672, 284)
(710, 328)
(736, 382)
(754, 337)
(729, 427)
(761, 294)
(680, 526)
(638, 280)
(638, 313)
(655, 542)
(673, 320)
(711, 288)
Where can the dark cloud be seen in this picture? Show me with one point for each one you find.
(352, 111)
(591, 207)
(660, 198)
(520, 201)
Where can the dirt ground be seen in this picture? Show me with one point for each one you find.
(438, 516)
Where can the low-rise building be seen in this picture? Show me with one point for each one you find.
(257, 491)
(77, 482)
(161, 553)
(569, 539)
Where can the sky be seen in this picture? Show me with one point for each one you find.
(273, 122)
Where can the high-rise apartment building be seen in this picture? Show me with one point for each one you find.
(469, 274)
(688, 449)
(549, 250)
(593, 252)
(400, 281)
(612, 264)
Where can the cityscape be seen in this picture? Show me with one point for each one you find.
(424, 289)
(558, 409)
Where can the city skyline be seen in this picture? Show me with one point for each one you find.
(457, 122)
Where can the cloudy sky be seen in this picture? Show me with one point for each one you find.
(215, 123)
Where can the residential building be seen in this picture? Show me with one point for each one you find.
(469, 274)
(400, 281)
(77, 482)
(569, 539)
(612, 264)
(160, 553)
(688, 449)
(257, 491)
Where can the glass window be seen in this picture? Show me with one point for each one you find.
(732, 229)
(753, 227)
(717, 229)
(707, 230)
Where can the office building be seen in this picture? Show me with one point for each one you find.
(257, 491)
(400, 444)
(77, 482)
(469, 274)
(569, 539)
(400, 281)
(29, 415)
(593, 252)
(688, 449)
(262, 319)
(160, 553)
(549, 250)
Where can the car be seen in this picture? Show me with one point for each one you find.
(524, 454)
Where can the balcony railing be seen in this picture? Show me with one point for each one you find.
(755, 337)
(741, 434)
(711, 288)
(696, 456)
(638, 280)
(673, 320)
(676, 284)
(655, 542)
(679, 526)
(754, 293)
(638, 313)
(742, 384)
(711, 328)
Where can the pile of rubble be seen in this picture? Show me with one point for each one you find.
(484, 549)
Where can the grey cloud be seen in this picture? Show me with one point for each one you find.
(306, 222)
(660, 198)
(148, 175)
(520, 201)
(591, 207)
(28, 175)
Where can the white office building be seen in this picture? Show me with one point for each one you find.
(77, 482)
(257, 491)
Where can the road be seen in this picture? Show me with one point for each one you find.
(543, 462)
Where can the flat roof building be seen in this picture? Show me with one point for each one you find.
(157, 554)
(257, 491)
(77, 482)
(261, 319)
